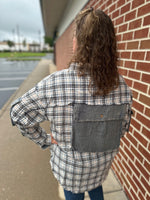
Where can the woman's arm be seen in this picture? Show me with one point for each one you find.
(28, 111)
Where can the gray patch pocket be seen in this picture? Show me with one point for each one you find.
(97, 128)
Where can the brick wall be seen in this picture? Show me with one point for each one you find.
(131, 19)
(64, 50)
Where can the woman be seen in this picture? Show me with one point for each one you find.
(88, 105)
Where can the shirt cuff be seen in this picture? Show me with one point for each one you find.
(47, 142)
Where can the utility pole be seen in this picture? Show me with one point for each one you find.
(39, 40)
(18, 33)
(13, 33)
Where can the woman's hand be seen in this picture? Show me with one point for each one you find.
(53, 140)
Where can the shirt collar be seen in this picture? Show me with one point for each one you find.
(73, 66)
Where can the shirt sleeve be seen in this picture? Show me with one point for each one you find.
(28, 111)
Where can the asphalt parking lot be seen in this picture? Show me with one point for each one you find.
(12, 74)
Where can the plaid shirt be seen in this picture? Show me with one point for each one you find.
(52, 99)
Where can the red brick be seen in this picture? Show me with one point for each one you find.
(115, 14)
(135, 94)
(146, 20)
(130, 129)
(147, 195)
(127, 36)
(116, 30)
(135, 124)
(106, 11)
(132, 183)
(120, 3)
(132, 45)
(132, 139)
(144, 152)
(102, 7)
(137, 3)
(125, 141)
(144, 99)
(138, 55)
(132, 165)
(130, 16)
(134, 194)
(146, 132)
(145, 183)
(129, 64)
(147, 112)
(146, 165)
(128, 151)
(128, 193)
(144, 10)
(123, 71)
(145, 44)
(125, 54)
(122, 167)
(124, 180)
(138, 106)
(125, 8)
(137, 181)
(140, 86)
(128, 82)
(141, 33)
(143, 66)
(118, 37)
(123, 154)
(144, 120)
(141, 139)
(148, 55)
(141, 196)
(119, 20)
(135, 24)
(133, 74)
(123, 28)
(112, 8)
(116, 166)
(120, 62)
(142, 170)
(149, 147)
(146, 78)
(121, 45)
(136, 153)
(125, 164)
(109, 2)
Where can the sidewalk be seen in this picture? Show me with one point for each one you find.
(25, 171)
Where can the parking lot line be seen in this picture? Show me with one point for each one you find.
(9, 88)
(12, 78)
(23, 72)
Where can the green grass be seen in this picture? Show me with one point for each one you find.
(20, 54)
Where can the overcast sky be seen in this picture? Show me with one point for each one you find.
(26, 14)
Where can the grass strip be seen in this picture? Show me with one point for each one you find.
(20, 54)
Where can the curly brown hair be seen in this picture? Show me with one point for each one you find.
(96, 51)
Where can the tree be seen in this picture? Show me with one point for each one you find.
(49, 41)
(10, 43)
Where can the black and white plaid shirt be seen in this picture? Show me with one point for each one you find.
(52, 99)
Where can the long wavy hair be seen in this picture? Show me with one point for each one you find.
(96, 51)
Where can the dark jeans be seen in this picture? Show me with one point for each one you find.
(95, 194)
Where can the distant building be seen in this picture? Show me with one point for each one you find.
(34, 47)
